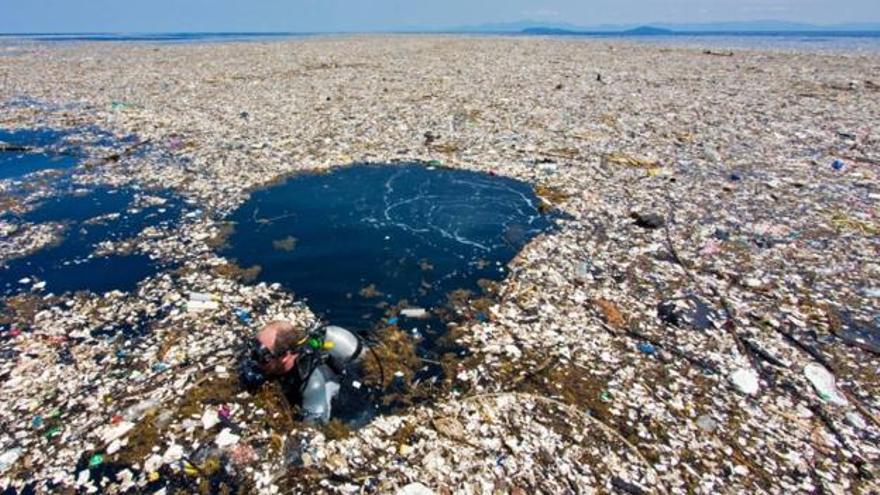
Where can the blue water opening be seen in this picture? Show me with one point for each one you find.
(358, 241)
(31, 150)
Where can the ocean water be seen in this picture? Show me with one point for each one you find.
(27, 151)
(84, 216)
(832, 41)
(89, 217)
(361, 241)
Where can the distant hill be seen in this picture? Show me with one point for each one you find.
(516, 27)
(648, 31)
(659, 28)
(639, 31)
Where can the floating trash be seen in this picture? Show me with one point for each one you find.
(824, 383)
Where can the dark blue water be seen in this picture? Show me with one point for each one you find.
(361, 239)
(90, 217)
(45, 150)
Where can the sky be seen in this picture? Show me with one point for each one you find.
(18, 16)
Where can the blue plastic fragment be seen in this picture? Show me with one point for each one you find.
(647, 348)
(393, 320)
(735, 176)
(160, 367)
(242, 314)
(838, 165)
(37, 421)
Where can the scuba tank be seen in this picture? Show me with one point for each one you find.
(327, 352)
(346, 348)
(320, 389)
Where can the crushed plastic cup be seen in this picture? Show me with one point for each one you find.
(823, 382)
(745, 380)
(8, 458)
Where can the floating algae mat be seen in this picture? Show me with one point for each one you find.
(363, 242)
(86, 218)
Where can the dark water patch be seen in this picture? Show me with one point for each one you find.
(361, 240)
(90, 217)
(26, 151)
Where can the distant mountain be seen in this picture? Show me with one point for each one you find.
(639, 31)
(515, 27)
(657, 28)
(648, 31)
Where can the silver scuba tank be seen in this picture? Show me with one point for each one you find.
(318, 393)
(346, 347)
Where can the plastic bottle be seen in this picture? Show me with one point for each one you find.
(201, 297)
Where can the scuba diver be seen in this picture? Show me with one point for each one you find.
(308, 365)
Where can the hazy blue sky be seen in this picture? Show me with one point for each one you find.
(364, 15)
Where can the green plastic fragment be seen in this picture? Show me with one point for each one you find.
(435, 163)
(53, 432)
(605, 396)
(96, 460)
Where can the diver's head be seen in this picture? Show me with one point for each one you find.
(275, 348)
